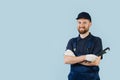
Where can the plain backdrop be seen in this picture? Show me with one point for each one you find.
(34, 35)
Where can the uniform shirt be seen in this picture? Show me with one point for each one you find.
(82, 46)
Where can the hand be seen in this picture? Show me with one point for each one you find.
(91, 57)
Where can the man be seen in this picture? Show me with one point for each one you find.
(81, 51)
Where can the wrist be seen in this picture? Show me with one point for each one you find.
(82, 57)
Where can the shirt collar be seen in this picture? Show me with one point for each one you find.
(79, 38)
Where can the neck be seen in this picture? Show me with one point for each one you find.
(84, 35)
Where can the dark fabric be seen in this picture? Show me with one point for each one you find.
(82, 44)
(80, 47)
(83, 76)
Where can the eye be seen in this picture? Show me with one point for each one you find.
(84, 22)
(79, 22)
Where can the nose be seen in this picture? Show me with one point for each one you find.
(81, 25)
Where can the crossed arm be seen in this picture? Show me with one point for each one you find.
(81, 60)
(95, 63)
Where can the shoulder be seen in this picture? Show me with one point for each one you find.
(96, 38)
(74, 39)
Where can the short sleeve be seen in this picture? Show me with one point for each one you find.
(69, 45)
(98, 46)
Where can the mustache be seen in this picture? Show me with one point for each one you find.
(81, 27)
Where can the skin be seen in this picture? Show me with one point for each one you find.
(83, 29)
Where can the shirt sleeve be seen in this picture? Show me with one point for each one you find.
(98, 46)
(69, 45)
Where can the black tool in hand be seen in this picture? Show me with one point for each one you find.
(103, 51)
(99, 54)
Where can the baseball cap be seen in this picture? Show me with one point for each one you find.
(84, 15)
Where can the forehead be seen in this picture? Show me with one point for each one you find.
(83, 20)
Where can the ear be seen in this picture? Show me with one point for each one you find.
(90, 24)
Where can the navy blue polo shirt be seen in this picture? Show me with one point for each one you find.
(82, 46)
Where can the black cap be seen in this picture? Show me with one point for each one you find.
(84, 15)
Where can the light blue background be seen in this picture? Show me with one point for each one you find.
(34, 34)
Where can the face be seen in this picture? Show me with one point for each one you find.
(83, 25)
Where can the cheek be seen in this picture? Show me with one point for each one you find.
(87, 25)
(78, 26)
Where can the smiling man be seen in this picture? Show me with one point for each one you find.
(81, 51)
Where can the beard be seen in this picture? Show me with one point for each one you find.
(83, 31)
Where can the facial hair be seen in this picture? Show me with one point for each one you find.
(83, 31)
